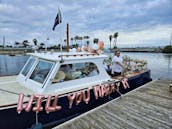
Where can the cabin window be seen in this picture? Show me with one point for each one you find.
(41, 71)
(28, 66)
(68, 72)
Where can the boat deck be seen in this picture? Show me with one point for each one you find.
(149, 106)
(10, 90)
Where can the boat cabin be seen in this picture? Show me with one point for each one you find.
(63, 72)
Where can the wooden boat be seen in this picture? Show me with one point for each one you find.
(55, 87)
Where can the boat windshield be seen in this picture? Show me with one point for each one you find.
(28, 66)
(41, 71)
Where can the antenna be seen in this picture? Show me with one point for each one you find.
(170, 39)
(61, 46)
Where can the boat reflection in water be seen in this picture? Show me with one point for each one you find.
(60, 86)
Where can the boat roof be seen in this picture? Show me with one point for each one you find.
(57, 56)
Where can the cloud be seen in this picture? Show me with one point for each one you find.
(156, 3)
(133, 19)
(153, 36)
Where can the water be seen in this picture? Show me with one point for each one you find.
(11, 65)
(159, 63)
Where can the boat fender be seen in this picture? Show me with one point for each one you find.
(86, 96)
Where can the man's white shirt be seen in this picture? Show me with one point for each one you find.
(116, 67)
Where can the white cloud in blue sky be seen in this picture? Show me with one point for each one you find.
(138, 22)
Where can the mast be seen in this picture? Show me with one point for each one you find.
(67, 37)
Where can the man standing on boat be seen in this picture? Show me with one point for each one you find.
(117, 64)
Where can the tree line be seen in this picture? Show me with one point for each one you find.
(74, 42)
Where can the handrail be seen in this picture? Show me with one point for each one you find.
(88, 54)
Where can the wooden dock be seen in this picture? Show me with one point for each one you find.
(147, 107)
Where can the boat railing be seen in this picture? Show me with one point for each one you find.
(83, 54)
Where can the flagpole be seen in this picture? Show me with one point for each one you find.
(61, 48)
(61, 42)
(67, 37)
(57, 21)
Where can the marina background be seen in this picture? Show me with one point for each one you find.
(159, 63)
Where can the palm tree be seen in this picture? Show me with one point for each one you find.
(76, 38)
(115, 39)
(86, 38)
(41, 45)
(17, 43)
(71, 40)
(25, 43)
(95, 40)
(87, 43)
(80, 38)
(35, 42)
(65, 41)
(110, 39)
(59, 46)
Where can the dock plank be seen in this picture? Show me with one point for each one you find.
(146, 107)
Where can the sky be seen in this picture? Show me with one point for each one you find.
(139, 23)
